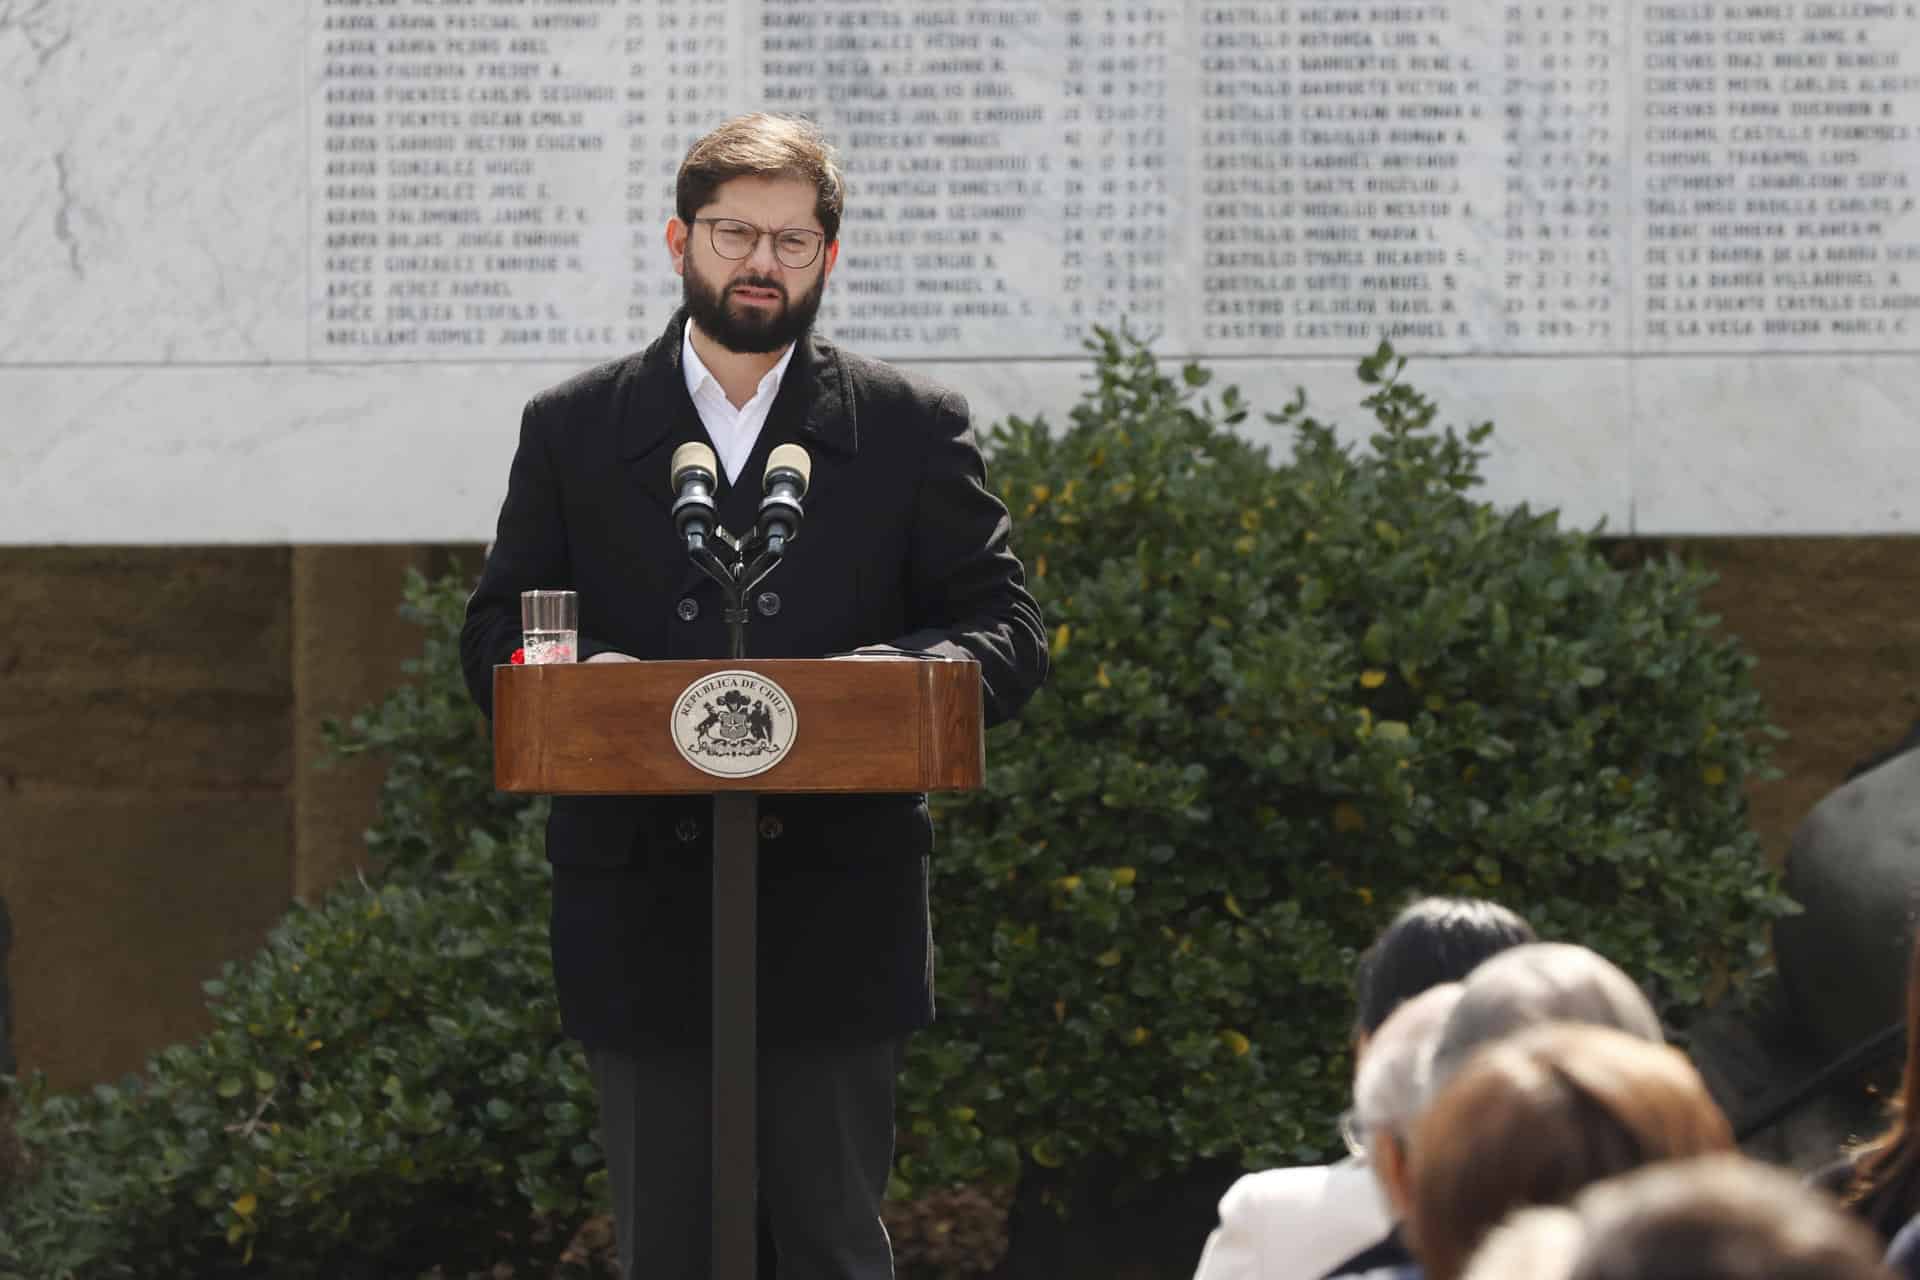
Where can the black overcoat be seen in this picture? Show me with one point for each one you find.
(902, 544)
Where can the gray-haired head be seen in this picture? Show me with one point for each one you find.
(1388, 1088)
(1530, 985)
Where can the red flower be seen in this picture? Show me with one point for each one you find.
(519, 658)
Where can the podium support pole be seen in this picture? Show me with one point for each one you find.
(736, 898)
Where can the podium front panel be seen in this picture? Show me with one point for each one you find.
(860, 725)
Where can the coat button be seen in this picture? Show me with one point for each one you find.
(771, 827)
(688, 609)
(688, 830)
(768, 603)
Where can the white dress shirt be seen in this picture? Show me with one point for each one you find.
(734, 431)
(1294, 1224)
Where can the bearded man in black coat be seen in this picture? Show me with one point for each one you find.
(904, 547)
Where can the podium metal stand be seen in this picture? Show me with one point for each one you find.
(863, 724)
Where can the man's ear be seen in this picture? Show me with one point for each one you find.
(1393, 1166)
(677, 233)
(832, 256)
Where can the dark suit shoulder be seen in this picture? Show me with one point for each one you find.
(582, 388)
(593, 388)
(883, 384)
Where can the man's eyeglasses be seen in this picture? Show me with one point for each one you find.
(795, 247)
(1353, 1134)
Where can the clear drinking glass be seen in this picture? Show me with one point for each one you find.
(549, 626)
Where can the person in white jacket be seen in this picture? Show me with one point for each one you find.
(1294, 1224)
(1298, 1223)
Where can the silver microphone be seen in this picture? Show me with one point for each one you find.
(695, 475)
(788, 471)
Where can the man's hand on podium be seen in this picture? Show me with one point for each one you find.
(864, 651)
(874, 651)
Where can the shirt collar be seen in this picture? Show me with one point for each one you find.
(698, 375)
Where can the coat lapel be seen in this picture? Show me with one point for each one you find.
(814, 409)
(657, 416)
(825, 417)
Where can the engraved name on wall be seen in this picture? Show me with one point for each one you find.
(490, 178)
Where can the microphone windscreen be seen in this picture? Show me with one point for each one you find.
(792, 458)
(693, 454)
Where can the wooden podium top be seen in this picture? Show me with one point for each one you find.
(857, 724)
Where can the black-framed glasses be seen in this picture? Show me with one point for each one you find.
(732, 239)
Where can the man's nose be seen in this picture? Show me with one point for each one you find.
(763, 256)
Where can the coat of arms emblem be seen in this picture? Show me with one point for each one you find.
(733, 724)
(736, 725)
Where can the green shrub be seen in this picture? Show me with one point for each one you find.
(1286, 696)
(385, 1085)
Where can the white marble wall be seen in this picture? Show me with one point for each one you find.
(156, 386)
(151, 186)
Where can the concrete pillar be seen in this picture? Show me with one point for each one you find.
(349, 642)
(145, 823)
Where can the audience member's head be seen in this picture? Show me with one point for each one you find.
(1434, 940)
(1717, 1217)
(1720, 1218)
(1534, 1118)
(1387, 1090)
(1535, 984)
(1542, 1243)
(1885, 1187)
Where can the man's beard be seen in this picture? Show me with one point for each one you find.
(752, 331)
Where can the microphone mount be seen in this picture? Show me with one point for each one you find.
(738, 565)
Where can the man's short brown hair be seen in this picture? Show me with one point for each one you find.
(762, 145)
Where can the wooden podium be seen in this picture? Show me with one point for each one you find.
(858, 724)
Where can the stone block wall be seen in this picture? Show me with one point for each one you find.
(160, 800)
